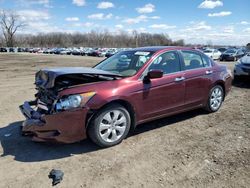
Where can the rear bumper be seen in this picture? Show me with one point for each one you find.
(63, 127)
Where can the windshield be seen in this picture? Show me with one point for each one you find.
(125, 63)
(231, 51)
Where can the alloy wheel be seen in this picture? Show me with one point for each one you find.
(112, 125)
(216, 98)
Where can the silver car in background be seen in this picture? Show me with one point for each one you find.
(242, 67)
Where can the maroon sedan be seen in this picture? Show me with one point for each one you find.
(132, 87)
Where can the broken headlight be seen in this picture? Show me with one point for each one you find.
(74, 101)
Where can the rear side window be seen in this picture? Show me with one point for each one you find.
(206, 61)
(192, 60)
(168, 62)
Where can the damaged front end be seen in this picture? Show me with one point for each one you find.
(48, 118)
(64, 127)
(51, 117)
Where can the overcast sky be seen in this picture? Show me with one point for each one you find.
(225, 22)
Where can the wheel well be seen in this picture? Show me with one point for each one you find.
(123, 103)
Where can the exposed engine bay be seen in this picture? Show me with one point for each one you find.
(50, 81)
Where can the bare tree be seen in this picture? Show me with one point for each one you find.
(10, 23)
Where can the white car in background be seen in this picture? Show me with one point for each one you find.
(213, 53)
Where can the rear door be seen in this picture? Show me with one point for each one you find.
(198, 77)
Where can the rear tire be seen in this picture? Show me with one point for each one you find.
(215, 99)
(109, 126)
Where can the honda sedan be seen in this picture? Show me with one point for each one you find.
(131, 87)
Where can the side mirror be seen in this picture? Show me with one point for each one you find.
(152, 74)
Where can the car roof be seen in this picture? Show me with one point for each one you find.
(159, 48)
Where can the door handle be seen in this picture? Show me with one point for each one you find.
(179, 79)
(209, 72)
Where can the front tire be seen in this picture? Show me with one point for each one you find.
(110, 125)
(215, 99)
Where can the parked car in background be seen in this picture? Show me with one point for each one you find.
(59, 50)
(212, 53)
(111, 52)
(242, 67)
(40, 51)
(20, 49)
(34, 50)
(11, 49)
(87, 51)
(53, 50)
(223, 49)
(129, 88)
(66, 51)
(47, 51)
(3, 50)
(232, 55)
(77, 51)
(101, 53)
(98, 52)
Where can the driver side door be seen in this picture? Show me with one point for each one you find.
(165, 95)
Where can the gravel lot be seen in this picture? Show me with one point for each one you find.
(192, 149)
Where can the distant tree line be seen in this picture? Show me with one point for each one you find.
(93, 39)
(11, 24)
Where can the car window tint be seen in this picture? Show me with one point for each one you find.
(192, 60)
(206, 61)
(167, 62)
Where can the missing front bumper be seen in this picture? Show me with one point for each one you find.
(64, 127)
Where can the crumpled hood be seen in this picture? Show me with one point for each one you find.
(46, 77)
(77, 70)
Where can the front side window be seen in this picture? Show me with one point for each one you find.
(125, 63)
(192, 60)
(167, 62)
